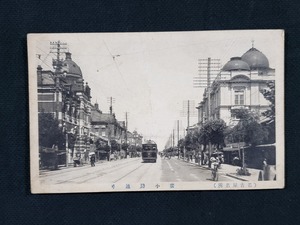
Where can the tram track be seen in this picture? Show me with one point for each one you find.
(145, 172)
(115, 181)
(86, 168)
(125, 175)
(96, 174)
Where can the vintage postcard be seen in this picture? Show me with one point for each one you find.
(156, 111)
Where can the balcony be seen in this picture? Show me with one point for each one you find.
(237, 107)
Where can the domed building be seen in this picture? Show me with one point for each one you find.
(63, 93)
(238, 85)
(255, 59)
(236, 63)
(72, 70)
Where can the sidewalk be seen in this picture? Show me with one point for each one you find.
(231, 171)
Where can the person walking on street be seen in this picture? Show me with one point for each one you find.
(221, 160)
(265, 164)
(213, 161)
(77, 160)
(93, 160)
(266, 170)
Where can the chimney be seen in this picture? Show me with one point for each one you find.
(68, 56)
(39, 74)
(39, 70)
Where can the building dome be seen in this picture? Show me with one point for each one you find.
(70, 67)
(255, 59)
(236, 63)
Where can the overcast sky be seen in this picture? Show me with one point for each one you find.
(153, 74)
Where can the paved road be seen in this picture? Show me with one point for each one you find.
(131, 170)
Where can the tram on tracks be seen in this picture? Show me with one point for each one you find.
(149, 151)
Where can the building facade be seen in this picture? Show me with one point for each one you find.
(62, 93)
(104, 126)
(237, 86)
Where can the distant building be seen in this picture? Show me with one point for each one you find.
(104, 126)
(238, 85)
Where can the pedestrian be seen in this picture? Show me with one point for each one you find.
(236, 161)
(220, 158)
(212, 160)
(77, 159)
(265, 164)
(93, 160)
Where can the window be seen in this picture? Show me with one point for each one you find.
(239, 98)
(103, 133)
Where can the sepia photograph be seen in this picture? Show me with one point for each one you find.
(156, 111)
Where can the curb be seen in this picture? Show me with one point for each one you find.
(226, 174)
(235, 177)
(203, 167)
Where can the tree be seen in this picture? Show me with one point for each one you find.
(114, 145)
(100, 145)
(181, 144)
(138, 148)
(125, 146)
(189, 141)
(50, 133)
(213, 131)
(269, 94)
(248, 129)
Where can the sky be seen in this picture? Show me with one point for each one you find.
(150, 75)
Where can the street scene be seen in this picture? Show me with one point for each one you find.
(156, 107)
(131, 170)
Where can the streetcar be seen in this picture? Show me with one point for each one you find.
(149, 151)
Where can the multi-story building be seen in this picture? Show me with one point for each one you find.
(62, 93)
(238, 85)
(104, 126)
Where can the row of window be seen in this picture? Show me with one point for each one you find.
(239, 99)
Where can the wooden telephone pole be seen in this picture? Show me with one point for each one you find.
(111, 101)
(126, 126)
(208, 72)
(188, 111)
(178, 137)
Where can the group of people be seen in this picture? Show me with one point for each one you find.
(77, 160)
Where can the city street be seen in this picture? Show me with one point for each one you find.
(131, 170)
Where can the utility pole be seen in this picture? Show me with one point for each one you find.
(188, 111)
(208, 72)
(173, 140)
(56, 48)
(188, 116)
(178, 137)
(208, 103)
(126, 127)
(208, 87)
(111, 100)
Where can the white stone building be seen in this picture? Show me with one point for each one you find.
(238, 85)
